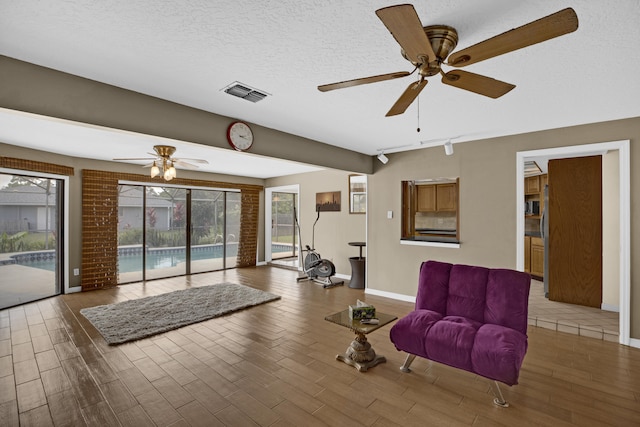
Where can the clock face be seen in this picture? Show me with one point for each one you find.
(240, 136)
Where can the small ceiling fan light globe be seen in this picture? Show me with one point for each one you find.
(172, 172)
(167, 175)
(155, 171)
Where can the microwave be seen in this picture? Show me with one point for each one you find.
(532, 207)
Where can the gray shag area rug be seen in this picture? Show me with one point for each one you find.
(135, 319)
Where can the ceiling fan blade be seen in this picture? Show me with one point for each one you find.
(476, 83)
(362, 81)
(407, 97)
(184, 164)
(405, 26)
(554, 25)
(202, 161)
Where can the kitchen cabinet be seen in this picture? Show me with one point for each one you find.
(527, 254)
(437, 198)
(534, 195)
(537, 257)
(426, 198)
(446, 197)
(532, 185)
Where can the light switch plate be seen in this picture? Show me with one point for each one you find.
(389, 214)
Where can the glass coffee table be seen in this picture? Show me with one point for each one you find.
(360, 354)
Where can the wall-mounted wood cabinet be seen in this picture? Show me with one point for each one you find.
(426, 198)
(532, 185)
(437, 198)
(534, 195)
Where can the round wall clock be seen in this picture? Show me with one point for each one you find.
(240, 136)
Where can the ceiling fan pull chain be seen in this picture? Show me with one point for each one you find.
(418, 103)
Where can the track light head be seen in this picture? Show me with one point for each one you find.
(384, 159)
(448, 148)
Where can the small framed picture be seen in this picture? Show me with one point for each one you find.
(328, 202)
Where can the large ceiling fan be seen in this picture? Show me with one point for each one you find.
(428, 48)
(162, 162)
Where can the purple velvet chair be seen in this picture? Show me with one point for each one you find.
(472, 318)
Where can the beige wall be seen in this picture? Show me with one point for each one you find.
(334, 230)
(39, 90)
(487, 171)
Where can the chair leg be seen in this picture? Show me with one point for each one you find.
(407, 363)
(499, 399)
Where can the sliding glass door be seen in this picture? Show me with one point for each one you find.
(166, 231)
(31, 253)
(158, 219)
(283, 228)
(207, 230)
(232, 227)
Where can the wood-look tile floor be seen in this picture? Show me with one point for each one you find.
(274, 365)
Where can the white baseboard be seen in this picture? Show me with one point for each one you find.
(633, 342)
(610, 307)
(391, 295)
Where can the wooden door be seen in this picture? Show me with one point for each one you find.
(575, 230)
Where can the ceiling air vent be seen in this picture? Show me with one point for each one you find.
(245, 92)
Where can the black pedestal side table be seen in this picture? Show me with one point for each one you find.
(357, 267)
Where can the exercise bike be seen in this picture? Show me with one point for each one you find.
(314, 266)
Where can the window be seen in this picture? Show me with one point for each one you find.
(357, 194)
(430, 210)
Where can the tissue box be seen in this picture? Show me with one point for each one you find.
(359, 312)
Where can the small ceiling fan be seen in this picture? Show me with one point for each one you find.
(427, 48)
(163, 162)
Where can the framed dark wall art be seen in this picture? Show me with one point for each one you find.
(328, 202)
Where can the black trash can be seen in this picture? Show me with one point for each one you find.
(357, 272)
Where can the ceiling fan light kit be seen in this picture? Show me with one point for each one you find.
(155, 170)
(429, 47)
(163, 156)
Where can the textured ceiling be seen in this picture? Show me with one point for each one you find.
(188, 51)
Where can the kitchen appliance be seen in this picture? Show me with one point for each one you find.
(532, 207)
(544, 233)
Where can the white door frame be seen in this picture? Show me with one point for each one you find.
(625, 216)
(268, 194)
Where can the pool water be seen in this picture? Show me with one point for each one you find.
(156, 258)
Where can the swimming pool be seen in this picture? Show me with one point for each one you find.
(130, 257)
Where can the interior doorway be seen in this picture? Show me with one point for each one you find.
(624, 215)
(282, 247)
